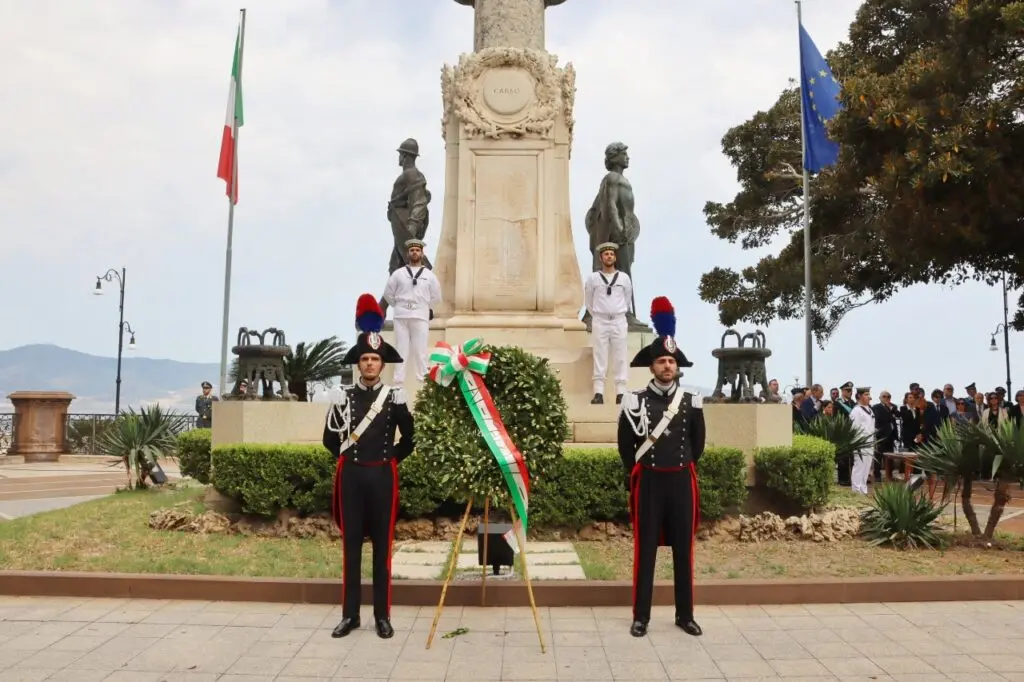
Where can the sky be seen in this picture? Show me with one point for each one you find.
(113, 113)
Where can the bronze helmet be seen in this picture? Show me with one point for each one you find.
(410, 146)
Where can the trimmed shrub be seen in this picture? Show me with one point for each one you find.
(802, 474)
(583, 486)
(267, 478)
(194, 454)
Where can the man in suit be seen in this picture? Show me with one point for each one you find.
(811, 404)
(886, 415)
(661, 437)
(798, 397)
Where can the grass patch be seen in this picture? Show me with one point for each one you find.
(723, 558)
(112, 535)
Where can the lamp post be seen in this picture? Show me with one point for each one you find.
(121, 277)
(1005, 328)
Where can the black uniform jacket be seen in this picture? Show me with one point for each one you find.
(680, 444)
(377, 444)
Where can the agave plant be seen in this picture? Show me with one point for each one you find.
(840, 431)
(901, 516)
(1006, 441)
(953, 455)
(140, 439)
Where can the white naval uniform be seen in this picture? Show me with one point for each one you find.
(863, 421)
(608, 324)
(411, 292)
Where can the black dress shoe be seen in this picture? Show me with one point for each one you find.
(346, 626)
(690, 627)
(598, 399)
(384, 629)
(638, 628)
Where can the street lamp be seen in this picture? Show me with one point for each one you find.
(1004, 327)
(121, 277)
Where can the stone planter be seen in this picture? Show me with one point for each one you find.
(39, 424)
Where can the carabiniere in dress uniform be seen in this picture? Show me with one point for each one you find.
(360, 432)
(661, 438)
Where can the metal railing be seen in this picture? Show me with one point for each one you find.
(6, 432)
(82, 431)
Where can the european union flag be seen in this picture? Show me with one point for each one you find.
(820, 92)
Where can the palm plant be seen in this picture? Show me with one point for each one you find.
(140, 439)
(840, 431)
(308, 364)
(953, 454)
(1006, 442)
(901, 516)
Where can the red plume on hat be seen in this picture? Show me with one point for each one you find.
(663, 315)
(369, 316)
(370, 321)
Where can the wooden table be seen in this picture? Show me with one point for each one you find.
(908, 459)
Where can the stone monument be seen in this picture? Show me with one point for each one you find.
(505, 257)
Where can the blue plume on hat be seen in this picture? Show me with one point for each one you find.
(369, 316)
(663, 315)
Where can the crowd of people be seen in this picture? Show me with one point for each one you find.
(897, 428)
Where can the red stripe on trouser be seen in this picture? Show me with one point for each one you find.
(695, 493)
(339, 519)
(634, 512)
(394, 518)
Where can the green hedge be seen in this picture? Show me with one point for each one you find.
(803, 473)
(585, 485)
(194, 454)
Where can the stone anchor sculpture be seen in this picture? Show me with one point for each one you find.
(742, 367)
(262, 362)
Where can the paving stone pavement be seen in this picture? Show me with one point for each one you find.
(85, 640)
(429, 560)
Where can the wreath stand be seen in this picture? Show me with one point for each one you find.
(454, 562)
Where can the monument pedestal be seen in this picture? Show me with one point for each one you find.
(40, 425)
(270, 421)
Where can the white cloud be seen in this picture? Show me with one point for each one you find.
(113, 112)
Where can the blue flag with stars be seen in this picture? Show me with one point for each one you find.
(820, 92)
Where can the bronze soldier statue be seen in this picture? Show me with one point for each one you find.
(611, 218)
(408, 209)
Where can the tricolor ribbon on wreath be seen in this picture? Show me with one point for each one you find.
(468, 364)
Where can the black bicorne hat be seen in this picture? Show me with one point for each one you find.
(370, 320)
(663, 316)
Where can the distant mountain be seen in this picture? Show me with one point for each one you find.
(90, 378)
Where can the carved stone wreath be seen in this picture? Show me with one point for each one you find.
(555, 91)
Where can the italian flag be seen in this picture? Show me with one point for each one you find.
(226, 168)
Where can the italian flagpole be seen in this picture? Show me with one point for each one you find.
(227, 170)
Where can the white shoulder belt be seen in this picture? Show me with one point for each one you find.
(344, 409)
(668, 416)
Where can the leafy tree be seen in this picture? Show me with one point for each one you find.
(929, 186)
(309, 365)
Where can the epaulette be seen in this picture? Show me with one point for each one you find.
(398, 395)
